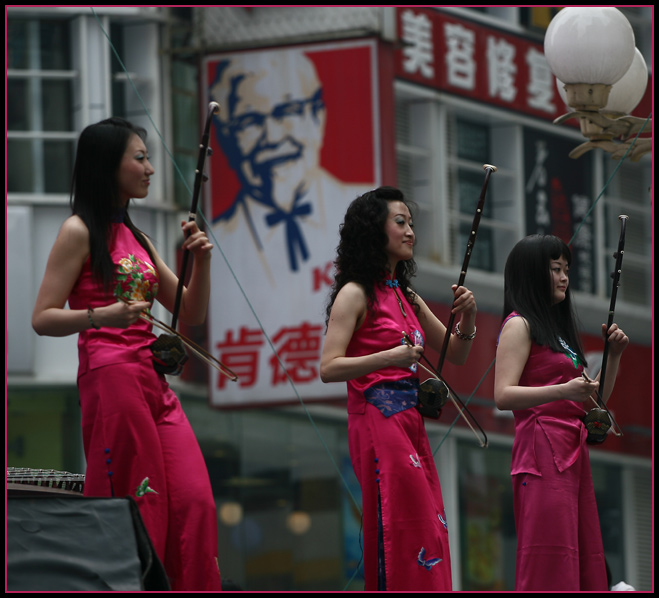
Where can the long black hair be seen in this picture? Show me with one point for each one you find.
(528, 291)
(361, 256)
(95, 195)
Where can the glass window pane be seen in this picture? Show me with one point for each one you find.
(470, 185)
(473, 141)
(34, 44)
(607, 480)
(17, 41)
(184, 188)
(56, 102)
(482, 254)
(54, 45)
(487, 524)
(20, 166)
(17, 105)
(24, 173)
(58, 166)
(186, 125)
(284, 520)
(39, 104)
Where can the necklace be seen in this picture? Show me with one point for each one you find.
(393, 284)
(570, 353)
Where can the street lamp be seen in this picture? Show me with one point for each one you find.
(601, 76)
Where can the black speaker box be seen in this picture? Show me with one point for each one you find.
(79, 544)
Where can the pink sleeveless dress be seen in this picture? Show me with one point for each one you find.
(405, 529)
(136, 437)
(559, 541)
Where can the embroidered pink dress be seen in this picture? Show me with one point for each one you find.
(137, 440)
(559, 541)
(405, 530)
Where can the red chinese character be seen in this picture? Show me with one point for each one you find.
(241, 355)
(299, 351)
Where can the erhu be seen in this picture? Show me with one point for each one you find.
(435, 392)
(598, 420)
(169, 355)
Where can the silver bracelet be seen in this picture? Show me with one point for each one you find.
(462, 336)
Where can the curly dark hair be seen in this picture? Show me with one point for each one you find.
(361, 256)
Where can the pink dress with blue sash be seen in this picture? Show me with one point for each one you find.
(405, 529)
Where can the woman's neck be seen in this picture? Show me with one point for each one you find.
(391, 271)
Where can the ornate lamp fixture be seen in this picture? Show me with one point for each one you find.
(601, 76)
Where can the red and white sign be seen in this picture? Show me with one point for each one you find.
(477, 62)
(482, 63)
(296, 140)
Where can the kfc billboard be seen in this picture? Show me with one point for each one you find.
(296, 140)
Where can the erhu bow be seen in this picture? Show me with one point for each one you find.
(599, 419)
(168, 349)
(435, 392)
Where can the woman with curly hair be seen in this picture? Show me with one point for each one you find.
(540, 377)
(136, 437)
(372, 315)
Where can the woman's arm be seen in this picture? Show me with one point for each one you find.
(67, 257)
(63, 268)
(195, 296)
(618, 342)
(347, 315)
(512, 354)
(465, 305)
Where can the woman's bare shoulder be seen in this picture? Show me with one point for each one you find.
(350, 304)
(352, 291)
(75, 228)
(516, 326)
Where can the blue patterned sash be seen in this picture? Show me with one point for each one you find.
(393, 397)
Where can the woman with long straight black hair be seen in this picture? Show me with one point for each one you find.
(137, 439)
(540, 376)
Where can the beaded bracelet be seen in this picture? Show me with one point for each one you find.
(462, 336)
(90, 312)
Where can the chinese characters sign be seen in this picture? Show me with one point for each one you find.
(290, 154)
(476, 62)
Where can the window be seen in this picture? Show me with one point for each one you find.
(471, 145)
(40, 83)
(441, 154)
(185, 103)
(486, 531)
(442, 147)
(487, 535)
(416, 176)
(628, 192)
